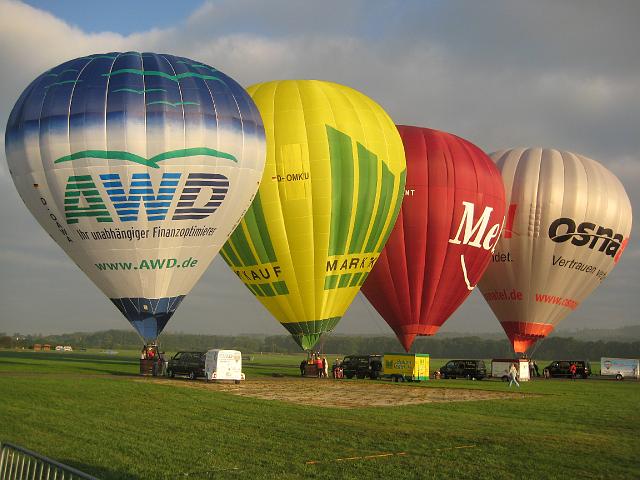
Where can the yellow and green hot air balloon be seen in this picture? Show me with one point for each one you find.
(330, 194)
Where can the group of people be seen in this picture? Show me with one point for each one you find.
(533, 369)
(320, 366)
(319, 363)
(151, 353)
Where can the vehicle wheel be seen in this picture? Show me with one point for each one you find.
(585, 376)
(170, 373)
(237, 382)
(618, 377)
(361, 377)
(505, 378)
(192, 375)
(349, 376)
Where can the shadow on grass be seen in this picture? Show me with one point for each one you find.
(29, 362)
(99, 472)
(67, 357)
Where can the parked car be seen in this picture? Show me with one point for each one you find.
(560, 368)
(362, 366)
(471, 369)
(187, 363)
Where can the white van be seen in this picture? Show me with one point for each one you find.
(500, 368)
(620, 367)
(223, 365)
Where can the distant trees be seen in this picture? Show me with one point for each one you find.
(438, 347)
(569, 348)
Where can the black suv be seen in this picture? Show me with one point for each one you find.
(362, 366)
(560, 368)
(471, 369)
(187, 363)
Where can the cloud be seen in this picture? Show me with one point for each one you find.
(500, 73)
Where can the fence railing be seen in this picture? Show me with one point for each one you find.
(17, 463)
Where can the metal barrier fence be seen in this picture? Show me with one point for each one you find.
(18, 463)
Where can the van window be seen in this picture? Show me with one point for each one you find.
(451, 364)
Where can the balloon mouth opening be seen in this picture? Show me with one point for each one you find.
(522, 344)
(148, 316)
(308, 333)
(524, 335)
(407, 334)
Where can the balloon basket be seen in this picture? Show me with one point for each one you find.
(146, 367)
(153, 367)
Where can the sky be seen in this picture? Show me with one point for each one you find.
(501, 74)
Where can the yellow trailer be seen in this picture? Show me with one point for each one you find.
(406, 366)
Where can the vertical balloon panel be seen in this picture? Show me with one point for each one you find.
(330, 193)
(569, 221)
(139, 165)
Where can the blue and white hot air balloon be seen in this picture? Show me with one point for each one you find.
(139, 166)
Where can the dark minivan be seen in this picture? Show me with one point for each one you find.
(187, 363)
(471, 369)
(560, 368)
(362, 366)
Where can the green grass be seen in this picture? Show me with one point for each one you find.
(90, 411)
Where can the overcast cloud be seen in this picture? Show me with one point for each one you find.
(499, 73)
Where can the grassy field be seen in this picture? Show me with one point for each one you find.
(91, 411)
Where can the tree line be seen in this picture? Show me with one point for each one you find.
(438, 347)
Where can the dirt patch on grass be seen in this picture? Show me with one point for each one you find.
(342, 394)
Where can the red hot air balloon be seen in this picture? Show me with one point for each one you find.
(451, 218)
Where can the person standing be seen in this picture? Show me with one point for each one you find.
(535, 367)
(325, 367)
(303, 366)
(572, 370)
(513, 374)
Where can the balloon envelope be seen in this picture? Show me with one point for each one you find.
(139, 166)
(331, 191)
(568, 222)
(450, 220)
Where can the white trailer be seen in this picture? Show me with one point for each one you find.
(500, 368)
(223, 365)
(620, 367)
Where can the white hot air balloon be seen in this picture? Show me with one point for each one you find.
(568, 222)
(139, 166)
